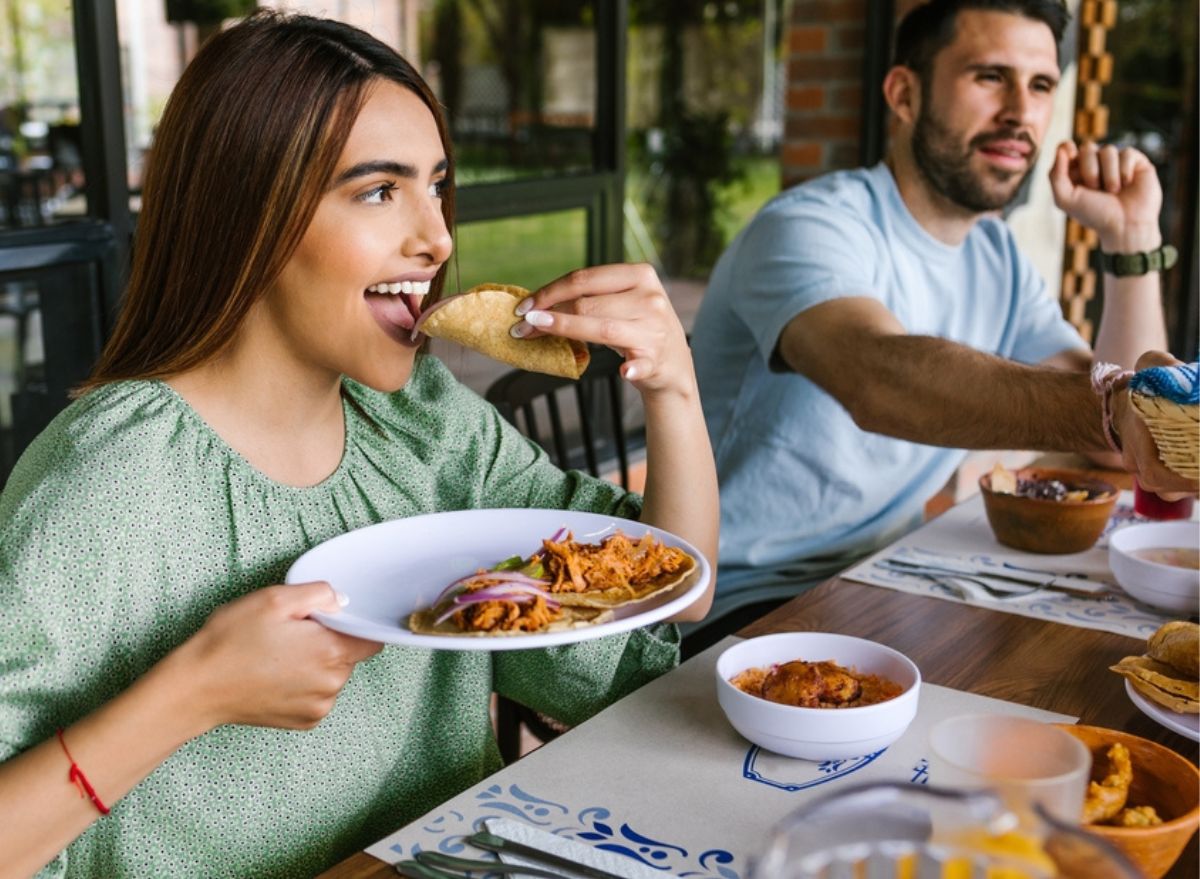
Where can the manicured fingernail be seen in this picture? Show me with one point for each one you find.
(539, 318)
(631, 373)
(524, 305)
(342, 598)
(519, 330)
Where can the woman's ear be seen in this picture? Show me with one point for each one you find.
(902, 91)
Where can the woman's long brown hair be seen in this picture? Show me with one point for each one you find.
(246, 148)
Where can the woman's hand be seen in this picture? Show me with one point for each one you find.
(260, 661)
(624, 307)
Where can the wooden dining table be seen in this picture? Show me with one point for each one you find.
(988, 652)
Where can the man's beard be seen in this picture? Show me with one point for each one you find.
(949, 171)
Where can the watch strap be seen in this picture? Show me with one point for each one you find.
(1124, 265)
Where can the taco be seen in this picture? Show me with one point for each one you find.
(564, 585)
(614, 572)
(481, 319)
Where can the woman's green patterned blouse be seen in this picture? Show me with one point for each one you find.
(128, 521)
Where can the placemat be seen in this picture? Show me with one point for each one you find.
(662, 778)
(962, 536)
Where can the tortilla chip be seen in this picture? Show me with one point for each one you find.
(481, 319)
(1178, 645)
(618, 596)
(421, 622)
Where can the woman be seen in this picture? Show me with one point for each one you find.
(259, 396)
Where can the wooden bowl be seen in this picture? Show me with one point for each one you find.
(1162, 779)
(1047, 526)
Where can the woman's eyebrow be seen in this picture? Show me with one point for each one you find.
(396, 169)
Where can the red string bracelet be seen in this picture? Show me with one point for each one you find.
(80, 780)
(1105, 377)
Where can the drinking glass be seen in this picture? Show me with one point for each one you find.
(898, 829)
(1150, 505)
(1029, 763)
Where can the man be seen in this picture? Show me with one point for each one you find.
(869, 325)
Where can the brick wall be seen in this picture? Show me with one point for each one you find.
(823, 115)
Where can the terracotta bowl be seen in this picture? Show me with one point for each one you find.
(1162, 779)
(1036, 525)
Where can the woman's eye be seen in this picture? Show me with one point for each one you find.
(437, 189)
(378, 195)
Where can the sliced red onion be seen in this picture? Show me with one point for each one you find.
(558, 536)
(490, 576)
(502, 590)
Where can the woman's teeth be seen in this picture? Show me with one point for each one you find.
(411, 288)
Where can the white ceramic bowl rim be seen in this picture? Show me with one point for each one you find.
(1154, 535)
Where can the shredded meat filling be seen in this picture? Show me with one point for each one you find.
(615, 563)
(507, 616)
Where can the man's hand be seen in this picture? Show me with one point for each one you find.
(1138, 449)
(1114, 191)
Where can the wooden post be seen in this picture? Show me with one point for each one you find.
(1096, 18)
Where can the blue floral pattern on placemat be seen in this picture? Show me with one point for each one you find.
(593, 825)
(801, 774)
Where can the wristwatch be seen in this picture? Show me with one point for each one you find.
(1125, 265)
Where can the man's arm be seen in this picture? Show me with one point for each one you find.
(933, 391)
(1117, 193)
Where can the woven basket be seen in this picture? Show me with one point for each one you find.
(1176, 429)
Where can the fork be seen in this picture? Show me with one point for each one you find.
(437, 865)
(946, 579)
(949, 583)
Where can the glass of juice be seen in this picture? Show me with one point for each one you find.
(1151, 506)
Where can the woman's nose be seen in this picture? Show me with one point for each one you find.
(429, 236)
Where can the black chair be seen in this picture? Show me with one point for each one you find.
(68, 274)
(523, 398)
(590, 433)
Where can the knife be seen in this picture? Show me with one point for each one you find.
(493, 843)
(1051, 582)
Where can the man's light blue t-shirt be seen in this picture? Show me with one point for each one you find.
(804, 490)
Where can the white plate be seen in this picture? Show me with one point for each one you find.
(393, 568)
(1185, 724)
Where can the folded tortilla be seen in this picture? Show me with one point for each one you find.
(481, 318)
(1178, 645)
(1161, 683)
(422, 623)
(1167, 700)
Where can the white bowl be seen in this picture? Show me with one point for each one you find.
(818, 733)
(1164, 586)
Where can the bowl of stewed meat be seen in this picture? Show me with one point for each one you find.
(816, 695)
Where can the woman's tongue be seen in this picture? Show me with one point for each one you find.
(391, 310)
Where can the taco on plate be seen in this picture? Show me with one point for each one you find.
(564, 585)
(481, 318)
